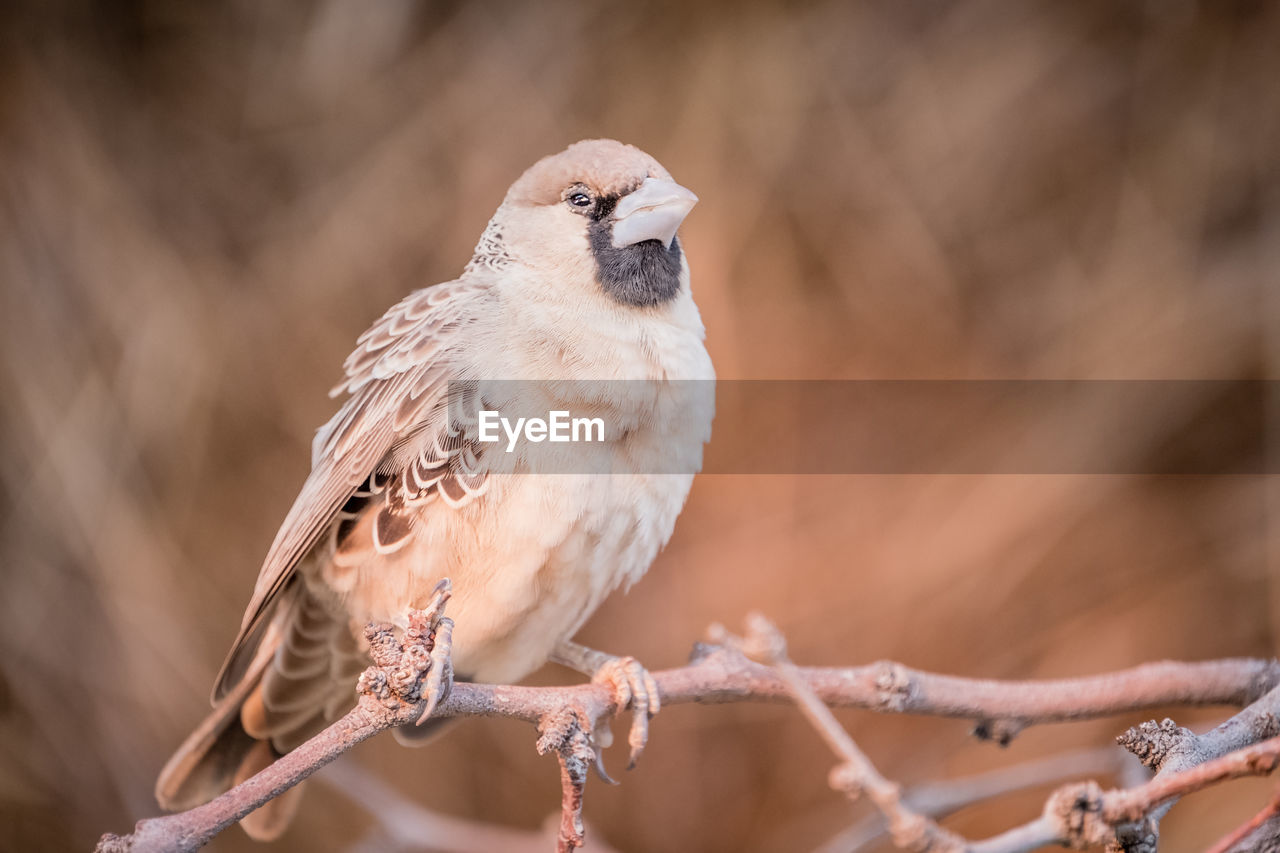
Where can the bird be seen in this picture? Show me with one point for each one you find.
(577, 298)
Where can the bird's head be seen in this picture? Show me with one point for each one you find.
(600, 209)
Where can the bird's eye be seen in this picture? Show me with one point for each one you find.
(579, 199)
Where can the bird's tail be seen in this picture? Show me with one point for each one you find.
(303, 676)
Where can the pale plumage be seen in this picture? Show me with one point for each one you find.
(398, 497)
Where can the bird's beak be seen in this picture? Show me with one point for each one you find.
(653, 211)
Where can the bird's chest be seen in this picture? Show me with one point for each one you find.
(621, 523)
(546, 553)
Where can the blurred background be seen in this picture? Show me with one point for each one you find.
(204, 204)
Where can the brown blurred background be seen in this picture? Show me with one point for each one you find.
(203, 205)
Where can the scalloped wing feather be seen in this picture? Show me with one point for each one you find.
(397, 378)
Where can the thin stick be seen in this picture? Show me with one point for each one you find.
(938, 799)
(1239, 834)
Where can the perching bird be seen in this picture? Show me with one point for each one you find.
(578, 276)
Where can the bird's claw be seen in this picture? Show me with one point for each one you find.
(440, 676)
(598, 765)
(633, 687)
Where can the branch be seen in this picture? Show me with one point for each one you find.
(938, 799)
(192, 829)
(716, 675)
(857, 775)
(390, 693)
(1250, 835)
(564, 733)
(405, 683)
(1169, 749)
(1075, 815)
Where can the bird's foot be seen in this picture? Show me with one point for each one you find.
(632, 687)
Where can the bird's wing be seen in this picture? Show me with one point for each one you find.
(397, 379)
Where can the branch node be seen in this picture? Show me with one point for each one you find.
(112, 843)
(403, 666)
(556, 729)
(1140, 837)
(702, 651)
(384, 649)
(893, 686)
(1153, 742)
(577, 756)
(1265, 726)
(1075, 812)
(847, 779)
(1001, 730)
(763, 640)
(916, 832)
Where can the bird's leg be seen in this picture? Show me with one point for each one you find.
(631, 683)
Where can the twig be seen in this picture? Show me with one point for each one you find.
(857, 775)
(938, 799)
(392, 694)
(1075, 815)
(192, 829)
(405, 825)
(564, 735)
(1262, 832)
(1231, 839)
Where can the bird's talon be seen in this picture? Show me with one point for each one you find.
(634, 688)
(440, 675)
(599, 768)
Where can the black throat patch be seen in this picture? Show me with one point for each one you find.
(647, 273)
